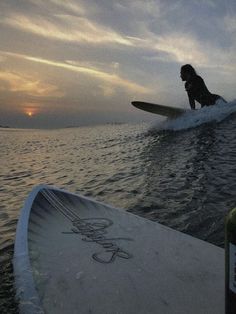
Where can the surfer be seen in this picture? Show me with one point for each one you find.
(196, 88)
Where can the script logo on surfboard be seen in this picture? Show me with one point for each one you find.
(93, 229)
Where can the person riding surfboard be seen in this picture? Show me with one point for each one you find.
(196, 88)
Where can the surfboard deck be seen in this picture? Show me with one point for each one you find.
(75, 255)
(170, 112)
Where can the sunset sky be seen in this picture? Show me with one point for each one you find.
(82, 62)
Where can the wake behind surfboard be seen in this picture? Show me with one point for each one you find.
(170, 112)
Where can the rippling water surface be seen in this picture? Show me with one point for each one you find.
(185, 179)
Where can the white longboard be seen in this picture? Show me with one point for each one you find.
(75, 255)
(170, 112)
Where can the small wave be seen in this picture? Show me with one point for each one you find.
(195, 118)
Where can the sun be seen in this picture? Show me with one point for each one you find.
(30, 110)
(29, 113)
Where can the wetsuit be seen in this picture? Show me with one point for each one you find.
(197, 90)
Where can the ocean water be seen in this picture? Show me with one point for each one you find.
(181, 173)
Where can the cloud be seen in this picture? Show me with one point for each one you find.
(107, 90)
(66, 28)
(95, 65)
(112, 79)
(186, 49)
(181, 48)
(172, 46)
(2, 58)
(140, 8)
(230, 23)
(16, 82)
(65, 5)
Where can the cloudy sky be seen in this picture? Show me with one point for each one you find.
(82, 61)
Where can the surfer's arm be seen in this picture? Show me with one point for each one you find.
(188, 88)
(191, 101)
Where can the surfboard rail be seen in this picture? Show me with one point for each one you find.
(167, 111)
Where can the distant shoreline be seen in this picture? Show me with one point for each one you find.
(4, 126)
(61, 127)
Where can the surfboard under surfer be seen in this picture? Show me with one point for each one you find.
(196, 88)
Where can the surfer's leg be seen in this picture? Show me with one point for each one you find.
(219, 99)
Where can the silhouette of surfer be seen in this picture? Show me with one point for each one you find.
(196, 88)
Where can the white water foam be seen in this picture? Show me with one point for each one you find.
(194, 118)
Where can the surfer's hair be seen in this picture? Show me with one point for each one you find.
(187, 68)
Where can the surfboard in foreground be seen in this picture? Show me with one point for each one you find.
(170, 112)
(75, 255)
